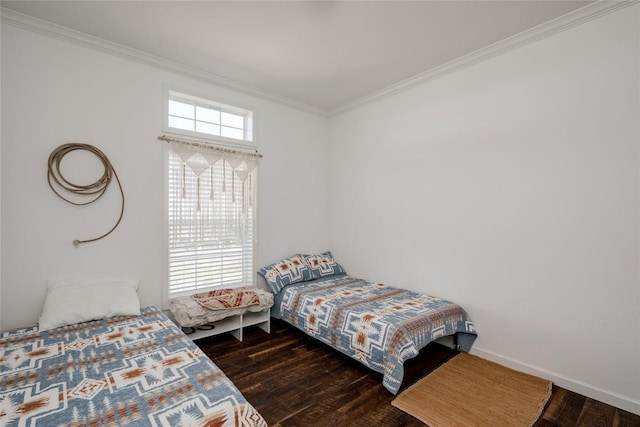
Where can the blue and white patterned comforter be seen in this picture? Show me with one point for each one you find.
(122, 371)
(380, 326)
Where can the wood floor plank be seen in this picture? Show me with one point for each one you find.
(293, 386)
(625, 419)
(554, 406)
(595, 414)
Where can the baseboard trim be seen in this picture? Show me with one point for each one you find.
(604, 396)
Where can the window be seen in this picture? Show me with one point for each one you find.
(211, 209)
(193, 116)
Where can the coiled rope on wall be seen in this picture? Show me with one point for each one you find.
(94, 190)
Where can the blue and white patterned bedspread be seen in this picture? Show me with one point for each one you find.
(123, 371)
(380, 326)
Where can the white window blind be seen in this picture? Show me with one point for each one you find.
(212, 209)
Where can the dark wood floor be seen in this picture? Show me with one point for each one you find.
(291, 385)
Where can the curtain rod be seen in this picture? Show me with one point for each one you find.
(208, 146)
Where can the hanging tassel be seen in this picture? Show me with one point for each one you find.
(198, 189)
(211, 194)
(233, 186)
(224, 175)
(184, 179)
(244, 203)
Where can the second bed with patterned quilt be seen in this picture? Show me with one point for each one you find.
(381, 326)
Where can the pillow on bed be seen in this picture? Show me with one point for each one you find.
(323, 265)
(286, 272)
(70, 302)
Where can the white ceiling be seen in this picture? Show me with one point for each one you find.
(324, 54)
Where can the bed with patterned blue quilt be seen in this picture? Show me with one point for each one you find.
(381, 326)
(119, 371)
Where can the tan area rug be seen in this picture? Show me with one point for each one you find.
(469, 391)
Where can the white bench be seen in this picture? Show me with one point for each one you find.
(199, 322)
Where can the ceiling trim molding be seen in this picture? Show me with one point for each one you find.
(542, 31)
(562, 23)
(59, 32)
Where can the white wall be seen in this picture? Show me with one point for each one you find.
(511, 187)
(53, 93)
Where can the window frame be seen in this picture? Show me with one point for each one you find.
(237, 108)
(221, 142)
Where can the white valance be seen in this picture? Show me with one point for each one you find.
(217, 186)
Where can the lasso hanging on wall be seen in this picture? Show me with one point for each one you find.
(95, 190)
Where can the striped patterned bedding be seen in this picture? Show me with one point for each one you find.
(378, 325)
(122, 371)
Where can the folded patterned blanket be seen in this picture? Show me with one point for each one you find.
(223, 299)
(189, 313)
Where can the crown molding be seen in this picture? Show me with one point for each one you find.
(542, 31)
(59, 32)
(547, 29)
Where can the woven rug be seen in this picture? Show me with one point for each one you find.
(469, 391)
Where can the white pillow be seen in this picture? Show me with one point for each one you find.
(70, 302)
